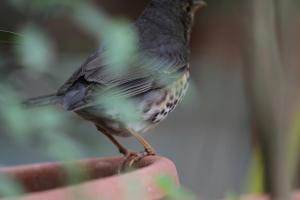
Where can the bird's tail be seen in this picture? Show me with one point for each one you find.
(43, 100)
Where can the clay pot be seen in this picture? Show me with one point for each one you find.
(47, 181)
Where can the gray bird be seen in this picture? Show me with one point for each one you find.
(155, 82)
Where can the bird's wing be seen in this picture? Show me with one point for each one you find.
(142, 75)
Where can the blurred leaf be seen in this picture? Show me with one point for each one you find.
(35, 49)
(91, 20)
(22, 122)
(294, 142)
(118, 106)
(9, 187)
(121, 44)
(47, 118)
(16, 121)
(118, 37)
(255, 183)
(11, 112)
(9, 37)
(62, 147)
(167, 184)
(76, 174)
(231, 196)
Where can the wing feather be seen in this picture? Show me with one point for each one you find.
(154, 69)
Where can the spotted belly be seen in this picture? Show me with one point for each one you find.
(174, 94)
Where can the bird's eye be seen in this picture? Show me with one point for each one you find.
(186, 7)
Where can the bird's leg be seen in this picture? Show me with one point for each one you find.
(149, 150)
(131, 157)
(131, 160)
(123, 150)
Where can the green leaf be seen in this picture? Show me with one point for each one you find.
(47, 118)
(118, 36)
(232, 196)
(62, 147)
(9, 186)
(117, 105)
(35, 49)
(91, 20)
(120, 40)
(168, 185)
(294, 142)
(12, 114)
(9, 37)
(255, 181)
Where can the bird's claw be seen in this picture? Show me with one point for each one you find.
(131, 158)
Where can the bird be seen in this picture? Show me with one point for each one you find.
(155, 85)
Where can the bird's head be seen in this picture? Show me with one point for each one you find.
(191, 6)
(178, 12)
(180, 7)
(186, 10)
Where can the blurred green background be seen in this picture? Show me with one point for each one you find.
(209, 136)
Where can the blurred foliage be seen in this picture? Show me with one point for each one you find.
(9, 186)
(273, 92)
(168, 185)
(8, 37)
(35, 49)
(36, 52)
(255, 180)
(232, 196)
(294, 142)
(112, 100)
(118, 37)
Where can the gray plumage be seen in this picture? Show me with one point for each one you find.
(162, 60)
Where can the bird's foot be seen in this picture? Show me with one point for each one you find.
(132, 158)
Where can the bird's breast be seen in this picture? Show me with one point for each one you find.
(173, 95)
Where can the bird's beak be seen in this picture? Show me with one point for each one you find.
(199, 3)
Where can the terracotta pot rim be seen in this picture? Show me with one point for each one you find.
(110, 187)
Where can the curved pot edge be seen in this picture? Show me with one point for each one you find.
(113, 187)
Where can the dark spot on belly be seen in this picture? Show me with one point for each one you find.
(173, 106)
(169, 105)
(154, 117)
